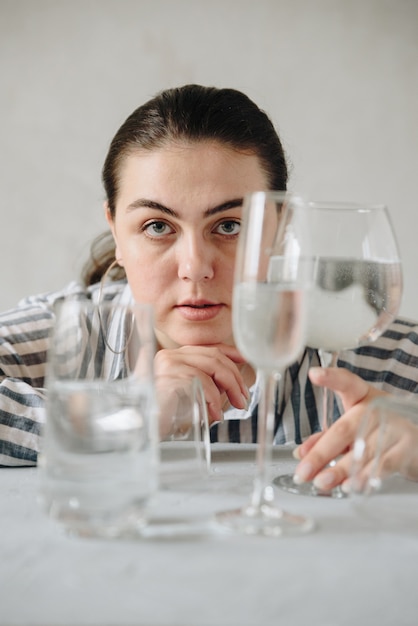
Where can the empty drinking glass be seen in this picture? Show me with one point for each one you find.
(184, 449)
(383, 482)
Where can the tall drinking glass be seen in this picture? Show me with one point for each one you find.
(269, 329)
(356, 291)
(98, 464)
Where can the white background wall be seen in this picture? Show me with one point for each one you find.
(339, 78)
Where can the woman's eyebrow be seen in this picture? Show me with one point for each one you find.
(225, 206)
(151, 204)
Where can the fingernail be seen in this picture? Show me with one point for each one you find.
(324, 480)
(346, 487)
(296, 454)
(245, 403)
(302, 473)
(219, 412)
(247, 393)
(218, 421)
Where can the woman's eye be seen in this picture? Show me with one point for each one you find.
(229, 227)
(157, 229)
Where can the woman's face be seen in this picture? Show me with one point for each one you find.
(176, 227)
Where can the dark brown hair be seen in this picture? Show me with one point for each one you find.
(189, 113)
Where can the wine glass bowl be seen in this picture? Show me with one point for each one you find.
(357, 275)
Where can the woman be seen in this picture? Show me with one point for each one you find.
(174, 176)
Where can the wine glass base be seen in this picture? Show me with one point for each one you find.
(287, 483)
(265, 520)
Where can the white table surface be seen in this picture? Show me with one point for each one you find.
(352, 570)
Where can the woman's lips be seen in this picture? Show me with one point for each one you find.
(199, 311)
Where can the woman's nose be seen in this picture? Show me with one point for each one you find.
(195, 259)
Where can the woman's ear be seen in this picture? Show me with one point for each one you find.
(111, 223)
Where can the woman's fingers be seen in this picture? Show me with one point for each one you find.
(386, 448)
(227, 377)
(213, 398)
(217, 369)
(328, 458)
(351, 388)
(318, 451)
(331, 444)
(301, 451)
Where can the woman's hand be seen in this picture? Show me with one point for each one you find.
(322, 448)
(215, 366)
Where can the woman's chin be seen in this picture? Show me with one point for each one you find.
(192, 337)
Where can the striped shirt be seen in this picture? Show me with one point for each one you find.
(389, 363)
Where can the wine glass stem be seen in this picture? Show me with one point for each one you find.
(263, 491)
(328, 359)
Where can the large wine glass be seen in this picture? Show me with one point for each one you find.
(269, 329)
(356, 291)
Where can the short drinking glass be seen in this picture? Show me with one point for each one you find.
(98, 464)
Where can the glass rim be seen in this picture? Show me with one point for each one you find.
(331, 205)
(274, 193)
(341, 205)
